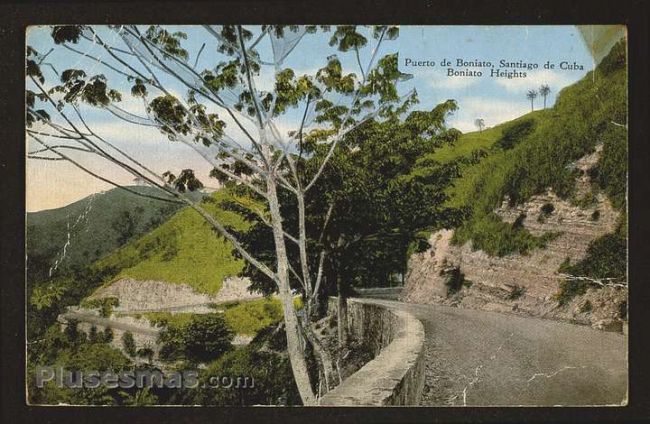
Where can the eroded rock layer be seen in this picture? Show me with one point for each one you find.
(525, 283)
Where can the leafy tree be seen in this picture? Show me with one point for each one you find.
(142, 397)
(480, 123)
(125, 225)
(372, 193)
(531, 95)
(92, 334)
(544, 91)
(72, 332)
(250, 383)
(128, 343)
(83, 357)
(203, 339)
(207, 337)
(220, 86)
(515, 134)
(146, 352)
(171, 341)
(45, 296)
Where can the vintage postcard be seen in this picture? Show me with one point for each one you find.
(326, 215)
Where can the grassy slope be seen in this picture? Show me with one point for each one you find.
(581, 117)
(474, 141)
(243, 318)
(182, 250)
(247, 317)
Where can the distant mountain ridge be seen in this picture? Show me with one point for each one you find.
(71, 237)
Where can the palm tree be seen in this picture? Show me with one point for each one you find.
(531, 95)
(480, 123)
(544, 91)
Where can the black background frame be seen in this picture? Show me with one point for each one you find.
(15, 17)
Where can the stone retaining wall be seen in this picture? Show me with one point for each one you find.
(396, 375)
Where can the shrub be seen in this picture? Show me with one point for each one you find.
(570, 289)
(106, 336)
(581, 117)
(545, 211)
(595, 216)
(586, 307)
(145, 352)
(499, 238)
(271, 384)
(547, 208)
(565, 265)
(249, 317)
(515, 134)
(606, 258)
(92, 334)
(519, 222)
(455, 280)
(200, 338)
(104, 304)
(516, 292)
(128, 343)
(612, 165)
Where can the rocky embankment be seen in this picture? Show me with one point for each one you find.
(135, 297)
(149, 296)
(526, 284)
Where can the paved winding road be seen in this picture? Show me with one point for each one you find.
(484, 358)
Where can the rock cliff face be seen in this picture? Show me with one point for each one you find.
(140, 296)
(525, 283)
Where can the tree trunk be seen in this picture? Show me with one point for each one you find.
(342, 304)
(324, 357)
(302, 245)
(342, 312)
(295, 347)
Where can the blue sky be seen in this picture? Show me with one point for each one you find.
(53, 184)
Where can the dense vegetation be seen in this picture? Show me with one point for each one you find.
(246, 317)
(605, 261)
(113, 218)
(200, 338)
(376, 184)
(263, 362)
(74, 350)
(534, 152)
(96, 226)
(182, 250)
(367, 207)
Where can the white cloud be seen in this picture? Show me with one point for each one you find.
(556, 80)
(492, 111)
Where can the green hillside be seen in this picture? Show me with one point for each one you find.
(182, 250)
(524, 157)
(97, 224)
(246, 317)
(473, 143)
